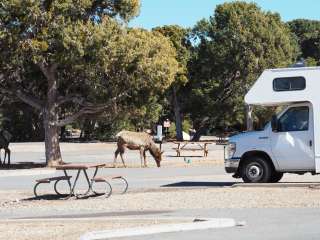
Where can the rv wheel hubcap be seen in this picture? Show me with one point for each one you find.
(254, 171)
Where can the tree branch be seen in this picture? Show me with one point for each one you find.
(90, 108)
(74, 98)
(47, 70)
(32, 101)
(16, 91)
(227, 88)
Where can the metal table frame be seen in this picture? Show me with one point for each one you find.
(79, 168)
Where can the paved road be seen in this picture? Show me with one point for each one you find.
(262, 224)
(138, 178)
(99, 152)
(104, 153)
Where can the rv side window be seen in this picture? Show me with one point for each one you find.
(289, 84)
(295, 119)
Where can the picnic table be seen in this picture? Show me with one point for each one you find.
(185, 146)
(80, 167)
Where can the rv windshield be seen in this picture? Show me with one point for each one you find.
(279, 111)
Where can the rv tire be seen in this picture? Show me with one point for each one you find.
(256, 169)
(276, 177)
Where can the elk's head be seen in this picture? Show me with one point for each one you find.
(158, 158)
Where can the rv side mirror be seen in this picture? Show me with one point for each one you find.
(274, 123)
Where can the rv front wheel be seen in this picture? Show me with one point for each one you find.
(256, 170)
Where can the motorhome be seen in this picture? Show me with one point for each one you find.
(290, 142)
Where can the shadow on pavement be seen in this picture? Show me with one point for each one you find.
(47, 197)
(200, 184)
(62, 197)
(186, 184)
(22, 165)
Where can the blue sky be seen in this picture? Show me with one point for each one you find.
(187, 12)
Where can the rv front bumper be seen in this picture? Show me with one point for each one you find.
(231, 164)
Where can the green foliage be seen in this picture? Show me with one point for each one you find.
(107, 129)
(178, 37)
(82, 48)
(234, 47)
(311, 62)
(172, 131)
(21, 121)
(143, 115)
(262, 115)
(308, 35)
(205, 72)
(127, 9)
(187, 125)
(1, 120)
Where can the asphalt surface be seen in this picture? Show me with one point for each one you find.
(138, 178)
(262, 224)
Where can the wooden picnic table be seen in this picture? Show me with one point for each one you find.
(79, 167)
(185, 146)
(82, 167)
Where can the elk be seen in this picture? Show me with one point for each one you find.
(5, 138)
(137, 141)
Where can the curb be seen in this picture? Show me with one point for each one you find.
(197, 224)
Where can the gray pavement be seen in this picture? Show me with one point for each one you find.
(138, 178)
(104, 153)
(262, 224)
(98, 152)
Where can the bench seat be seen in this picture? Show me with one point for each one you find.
(48, 180)
(105, 179)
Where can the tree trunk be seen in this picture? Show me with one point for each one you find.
(177, 114)
(50, 117)
(53, 153)
(249, 118)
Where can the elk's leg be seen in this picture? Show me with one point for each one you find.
(142, 156)
(116, 153)
(8, 154)
(145, 158)
(121, 155)
(5, 156)
(121, 150)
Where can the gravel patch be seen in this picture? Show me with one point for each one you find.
(169, 199)
(19, 204)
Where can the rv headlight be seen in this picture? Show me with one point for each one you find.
(231, 149)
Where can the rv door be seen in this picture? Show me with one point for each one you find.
(292, 143)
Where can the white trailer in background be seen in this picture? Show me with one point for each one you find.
(290, 142)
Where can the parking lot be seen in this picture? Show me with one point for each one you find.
(183, 189)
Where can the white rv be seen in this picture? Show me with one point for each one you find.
(290, 142)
